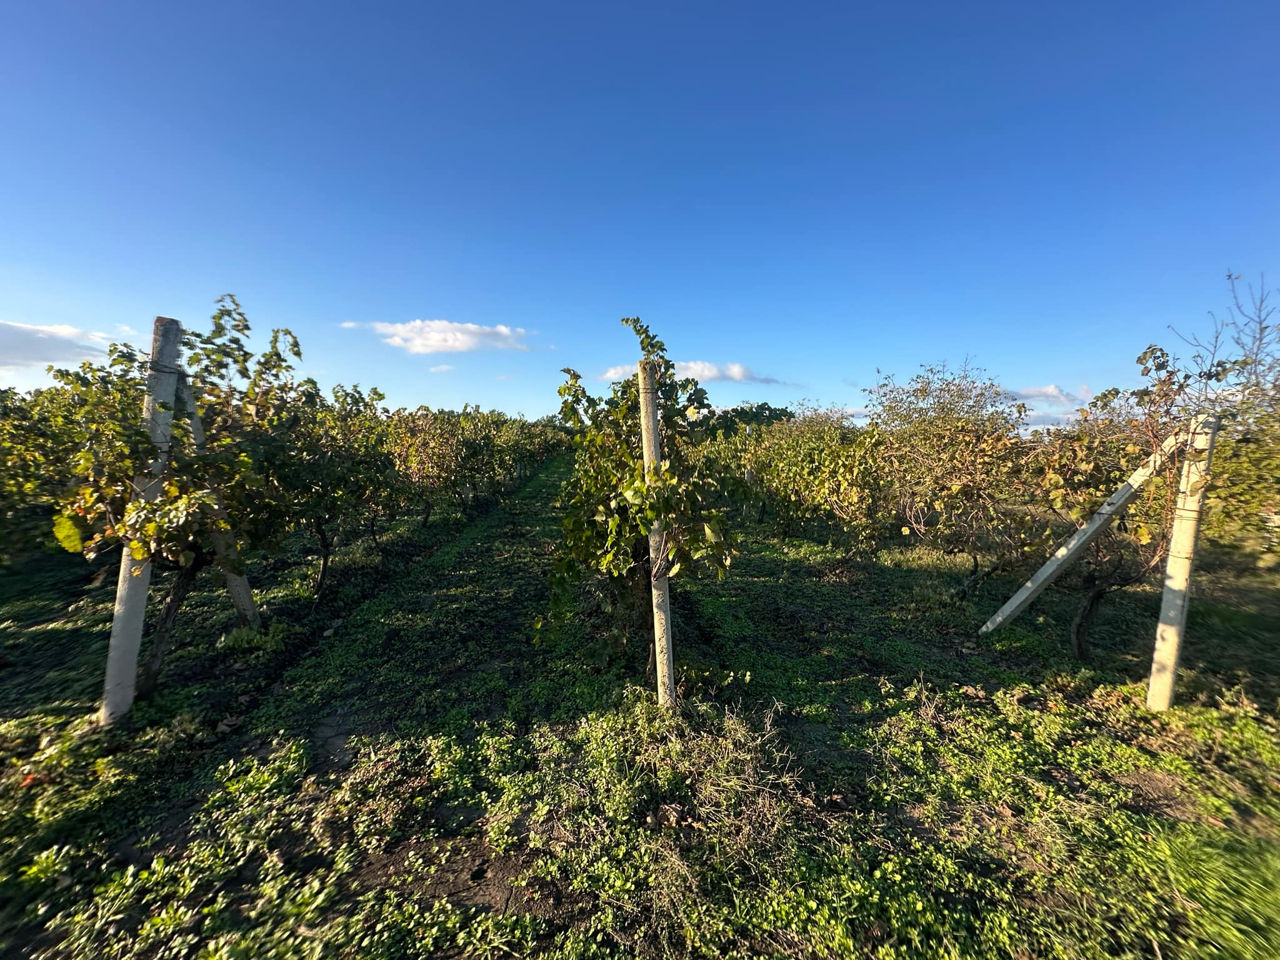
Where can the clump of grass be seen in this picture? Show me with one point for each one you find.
(666, 822)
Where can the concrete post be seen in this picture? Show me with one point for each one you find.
(664, 655)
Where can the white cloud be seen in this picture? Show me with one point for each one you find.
(1054, 395)
(26, 345)
(441, 368)
(700, 370)
(348, 324)
(60, 331)
(704, 371)
(445, 336)
(1051, 405)
(1047, 418)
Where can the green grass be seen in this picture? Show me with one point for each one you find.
(405, 772)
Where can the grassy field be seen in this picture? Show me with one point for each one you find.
(403, 772)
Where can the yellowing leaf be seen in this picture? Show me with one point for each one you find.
(68, 535)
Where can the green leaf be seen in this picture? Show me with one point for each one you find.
(68, 535)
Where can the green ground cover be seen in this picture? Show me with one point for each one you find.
(404, 772)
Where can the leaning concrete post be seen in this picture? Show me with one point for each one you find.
(1072, 549)
(1182, 551)
(224, 543)
(135, 575)
(657, 562)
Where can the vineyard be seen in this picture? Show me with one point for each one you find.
(398, 692)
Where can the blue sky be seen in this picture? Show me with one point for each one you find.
(799, 193)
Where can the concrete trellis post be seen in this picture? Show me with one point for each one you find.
(1063, 556)
(661, 591)
(223, 544)
(1182, 549)
(135, 575)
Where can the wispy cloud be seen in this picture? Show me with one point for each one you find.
(25, 345)
(701, 371)
(1054, 395)
(446, 336)
(1047, 418)
(1051, 405)
(441, 368)
(348, 324)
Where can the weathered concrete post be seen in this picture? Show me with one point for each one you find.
(1182, 551)
(664, 655)
(1069, 551)
(135, 575)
